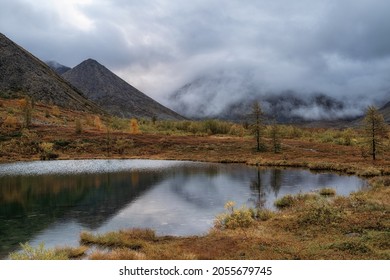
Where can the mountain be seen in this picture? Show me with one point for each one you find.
(23, 73)
(385, 111)
(114, 94)
(230, 98)
(57, 67)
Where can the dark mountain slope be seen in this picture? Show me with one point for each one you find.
(23, 73)
(385, 110)
(114, 94)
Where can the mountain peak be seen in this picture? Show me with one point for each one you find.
(22, 72)
(91, 61)
(113, 94)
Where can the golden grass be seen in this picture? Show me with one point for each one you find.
(309, 227)
(313, 227)
(72, 252)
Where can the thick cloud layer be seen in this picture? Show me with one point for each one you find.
(337, 47)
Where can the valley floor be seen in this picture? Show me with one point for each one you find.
(224, 149)
(356, 227)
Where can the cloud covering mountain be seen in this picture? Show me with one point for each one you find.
(339, 48)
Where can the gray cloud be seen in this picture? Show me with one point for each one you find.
(245, 48)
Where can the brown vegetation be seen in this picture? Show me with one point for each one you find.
(309, 226)
(354, 227)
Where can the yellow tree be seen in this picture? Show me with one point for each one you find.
(26, 106)
(98, 123)
(134, 128)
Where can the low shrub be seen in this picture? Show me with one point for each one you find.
(354, 247)
(327, 191)
(320, 212)
(369, 172)
(123, 145)
(285, 201)
(263, 214)
(47, 152)
(60, 143)
(234, 218)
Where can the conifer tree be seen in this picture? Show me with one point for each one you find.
(275, 138)
(257, 126)
(375, 130)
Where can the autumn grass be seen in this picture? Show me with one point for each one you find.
(306, 226)
(133, 238)
(72, 252)
(37, 253)
(52, 135)
(312, 227)
(40, 252)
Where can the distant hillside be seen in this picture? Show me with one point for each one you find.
(210, 97)
(114, 94)
(385, 110)
(57, 67)
(23, 73)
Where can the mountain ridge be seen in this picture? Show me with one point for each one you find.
(23, 73)
(114, 94)
(385, 111)
(224, 97)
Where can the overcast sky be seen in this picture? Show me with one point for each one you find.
(340, 47)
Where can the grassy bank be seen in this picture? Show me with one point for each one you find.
(315, 226)
(311, 226)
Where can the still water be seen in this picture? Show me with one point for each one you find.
(52, 202)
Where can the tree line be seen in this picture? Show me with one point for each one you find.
(373, 126)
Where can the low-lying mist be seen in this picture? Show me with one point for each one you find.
(230, 97)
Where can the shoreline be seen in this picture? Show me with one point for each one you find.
(345, 169)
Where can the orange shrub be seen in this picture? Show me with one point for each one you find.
(11, 122)
(134, 128)
(97, 122)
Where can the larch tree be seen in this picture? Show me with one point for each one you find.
(27, 107)
(257, 125)
(275, 138)
(375, 130)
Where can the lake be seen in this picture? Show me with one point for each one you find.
(53, 201)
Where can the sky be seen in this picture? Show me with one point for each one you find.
(337, 47)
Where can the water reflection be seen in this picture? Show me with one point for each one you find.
(177, 198)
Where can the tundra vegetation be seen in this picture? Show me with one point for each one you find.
(308, 226)
(318, 225)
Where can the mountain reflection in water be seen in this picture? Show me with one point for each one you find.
(52, 202)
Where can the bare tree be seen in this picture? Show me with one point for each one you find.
(375, 130)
